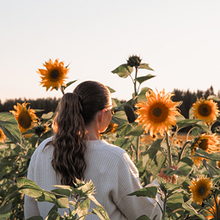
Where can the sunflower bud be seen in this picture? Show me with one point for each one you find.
(134, 61)
(39, 130)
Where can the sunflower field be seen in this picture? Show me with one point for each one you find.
(147, 126)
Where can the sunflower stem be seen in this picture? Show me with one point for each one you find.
(137, 150)
(169, 149)
(182, 150)
(217, 207)
(164, 207)
(135, 82)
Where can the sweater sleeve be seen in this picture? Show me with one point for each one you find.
(30, 204)
(132, 206)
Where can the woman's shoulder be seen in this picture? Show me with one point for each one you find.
(43, 146)
(103, 146)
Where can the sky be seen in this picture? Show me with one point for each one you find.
(179, 39)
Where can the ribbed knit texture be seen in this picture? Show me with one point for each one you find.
(113, 174)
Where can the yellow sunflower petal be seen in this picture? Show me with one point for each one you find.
(212, 213)
(54, 74)
(207, 142)
(200, 189)
(26, 118)
(158, 113)
(206, 110)
(2, 136)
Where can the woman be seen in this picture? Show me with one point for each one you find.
(75, 152)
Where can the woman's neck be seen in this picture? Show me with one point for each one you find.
(92, 133)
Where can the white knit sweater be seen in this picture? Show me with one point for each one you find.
(113, 174)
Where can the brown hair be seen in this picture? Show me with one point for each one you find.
(75, 110)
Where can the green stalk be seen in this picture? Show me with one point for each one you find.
(135, 82)
(169, 150)
(164, 207)
(137, 150)
(182, 150)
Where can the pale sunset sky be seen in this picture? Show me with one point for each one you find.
(179, 39)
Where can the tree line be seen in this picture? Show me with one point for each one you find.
(50, 104)
(45, 105)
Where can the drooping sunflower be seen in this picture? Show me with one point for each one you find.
(41, 129)
(25, 117)
(213, 210)
(200, 189)
(2, 136)
(158, 113)
(206, 110)
(54, 74)
(206, 142)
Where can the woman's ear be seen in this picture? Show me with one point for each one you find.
(101, 115)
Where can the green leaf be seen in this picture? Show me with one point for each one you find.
(150, 191)
(129, 113)
(142, 95)
(215, 180)
(191, 210)
(213, 97)
(9, 125)
(192, 122)
(63, 202)
(35, 218)
(124, 129)
(143, 217)
(175, 201)
(101, 213)
(119, 118)
(123, 70)
(204, 154)
(5, 211)
(65, 192)
(29, 187)
(185, 166)
(110, 89)
(83, 208)
(47, 116)
(137, 131)
(145, 66)
(144, 78)
(69, 83)
(154, 148)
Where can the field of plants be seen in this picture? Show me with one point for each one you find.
(148, 127)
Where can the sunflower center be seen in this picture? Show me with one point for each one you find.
(54, 75)
(201, 190)
(24, 120)
(204, 110)
(203, 144)
(158, 113)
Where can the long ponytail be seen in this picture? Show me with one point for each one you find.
(75, 111)
(69, 140)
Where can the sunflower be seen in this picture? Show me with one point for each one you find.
(26, 118)
(200, 189)
(2, 136)
(158, 113)
(218, 164)
(54, 74)
(213, 210)
(206, 142)
(41, 129)
(206, 110)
